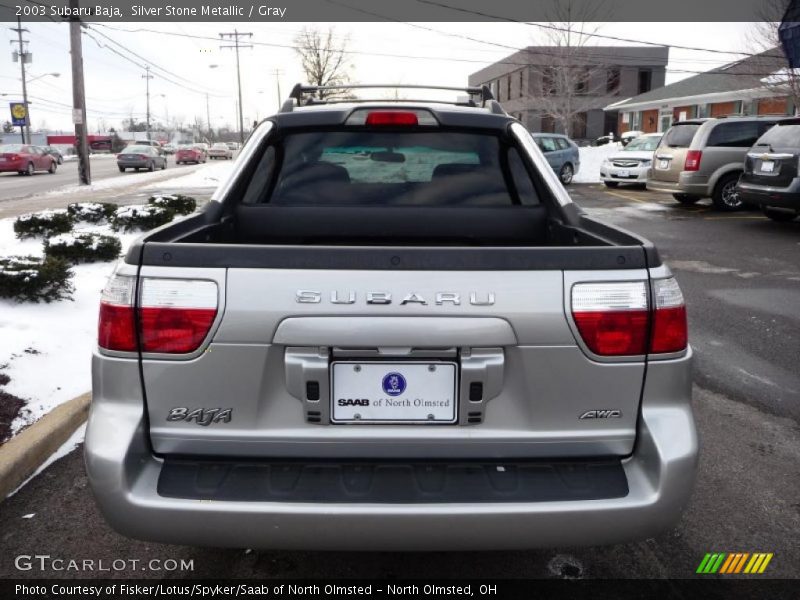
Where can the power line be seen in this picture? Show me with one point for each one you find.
(564, 29)
(193, 88)
(404, 56)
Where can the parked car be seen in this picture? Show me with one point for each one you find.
(141, 157)
(312, 363)
(190, 153)
(771, 177)
(54, 152)
(25, 159)
(169, 148)
(220, 150)
(562, 154)
(701, 158)
(627, 137)
(632, 163)
(233, 146)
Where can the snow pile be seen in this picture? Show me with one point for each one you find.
(208, 177)
(591, 159)
(46, 348)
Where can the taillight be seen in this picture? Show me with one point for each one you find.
(117, 327)
(615, 319)
(175, 315)
(693, 160)
(612, 318)
(670, 331)
(389, 117)
(143, 156)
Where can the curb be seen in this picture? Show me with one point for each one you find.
(25, 452)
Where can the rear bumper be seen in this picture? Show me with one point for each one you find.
(781, 197)
(124, 475)
(686, 184)
(9, 166)
(134, 164)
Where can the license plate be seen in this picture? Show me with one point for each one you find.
(623, 173)
(663, 163)
(767, 166)
(403, 392)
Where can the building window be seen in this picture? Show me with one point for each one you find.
(645, 80)
(521, 87)
(548, 81)
(612, 81)
(508, 88)
(581, 81)
(702, 111)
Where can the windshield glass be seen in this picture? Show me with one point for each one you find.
(786, 136)
(144, 149)
(643, 144)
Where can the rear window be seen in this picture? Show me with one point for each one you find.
(12, 148)
(393, 168)
(680, 136)
(785, 136)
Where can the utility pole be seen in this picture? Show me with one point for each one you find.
(208, 118)
(236, 45)
(278, 85)
(78, 96)
(25, 131)
(147, 79)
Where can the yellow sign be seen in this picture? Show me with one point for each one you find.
(19, 111)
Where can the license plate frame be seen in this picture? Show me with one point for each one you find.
(360, 392)
(767, 166)
(623, 173)
(663, 164)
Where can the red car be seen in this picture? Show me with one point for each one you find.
(190, 154)
(25, 159)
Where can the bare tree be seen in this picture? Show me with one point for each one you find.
(323, 59)
(564, 72)
(770, 62)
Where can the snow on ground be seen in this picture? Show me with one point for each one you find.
(591, 159)
(211, 175)
(46, 348)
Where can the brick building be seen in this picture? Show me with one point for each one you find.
(520, 83)
(746, 87)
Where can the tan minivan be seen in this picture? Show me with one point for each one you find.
(702, 158)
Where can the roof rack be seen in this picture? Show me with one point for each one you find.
(303, 95)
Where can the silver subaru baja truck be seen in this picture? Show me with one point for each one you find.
(391, 328)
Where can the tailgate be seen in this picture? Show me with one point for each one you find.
(361, 364)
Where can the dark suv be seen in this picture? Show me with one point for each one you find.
(771, 175)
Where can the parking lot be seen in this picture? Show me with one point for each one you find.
(740, 274)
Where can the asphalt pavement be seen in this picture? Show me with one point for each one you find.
(20, 194)
(740, 274)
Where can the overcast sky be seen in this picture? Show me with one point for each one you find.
(381, 53)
